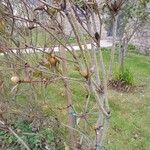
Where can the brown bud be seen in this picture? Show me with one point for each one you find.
(84, 73)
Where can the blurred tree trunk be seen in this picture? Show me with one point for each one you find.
(112, 55)
(67, 91)
(122, 53)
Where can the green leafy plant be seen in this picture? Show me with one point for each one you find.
(124, 75)
(44, 137)
(131, 47)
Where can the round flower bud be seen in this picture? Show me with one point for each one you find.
(15, 79)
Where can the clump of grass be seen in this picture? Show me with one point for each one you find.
(124, 75)
(132, 47)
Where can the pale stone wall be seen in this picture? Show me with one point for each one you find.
(142, 39)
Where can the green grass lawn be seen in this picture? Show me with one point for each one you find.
(130, 121)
